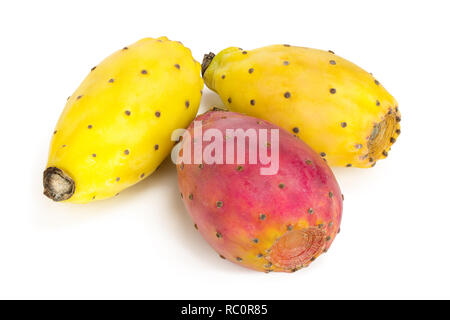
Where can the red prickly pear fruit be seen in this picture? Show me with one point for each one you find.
(280, 222)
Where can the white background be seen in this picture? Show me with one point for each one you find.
(395, 230)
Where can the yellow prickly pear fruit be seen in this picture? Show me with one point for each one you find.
(339, 109)
(116, 128)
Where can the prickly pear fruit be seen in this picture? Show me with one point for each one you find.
(279, 222)
(340, 110)
(116, 128)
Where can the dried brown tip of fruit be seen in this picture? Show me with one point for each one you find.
(380, 137)
(207, 58)
(296, 249)
(58, 186)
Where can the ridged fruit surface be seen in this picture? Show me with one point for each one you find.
(116, 127)
(280, 222)
(339, 109)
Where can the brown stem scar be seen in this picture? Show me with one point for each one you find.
(58, 186)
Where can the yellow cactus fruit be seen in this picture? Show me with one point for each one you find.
(116, 128)
(340, 110)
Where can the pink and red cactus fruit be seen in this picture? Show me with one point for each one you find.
(278, 222)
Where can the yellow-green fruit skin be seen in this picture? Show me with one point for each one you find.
(339, 109)
(116, 127)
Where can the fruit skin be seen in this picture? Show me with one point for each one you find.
(116, 127)
(340, 110)
(254, 211)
